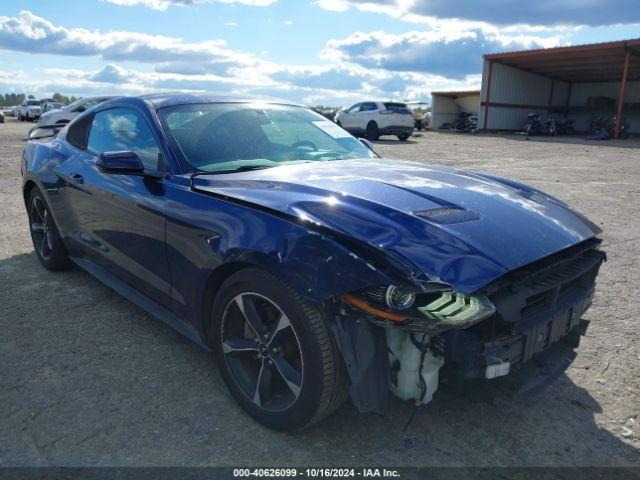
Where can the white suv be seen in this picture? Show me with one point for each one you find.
(373, 119)
(29, 110)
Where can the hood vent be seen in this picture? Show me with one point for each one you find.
(448, 215)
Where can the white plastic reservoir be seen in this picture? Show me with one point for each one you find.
(402, 350)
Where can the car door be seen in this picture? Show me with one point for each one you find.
(368, 112)
(348, 120)
(117, 219)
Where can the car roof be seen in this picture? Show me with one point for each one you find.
(160, 100)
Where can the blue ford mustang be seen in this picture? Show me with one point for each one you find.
(310, 266)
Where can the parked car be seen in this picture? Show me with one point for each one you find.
(29, 110)
(71, 111)
(48, 106)
(374, 119)
(310, 266)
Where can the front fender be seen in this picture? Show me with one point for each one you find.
(205, 233)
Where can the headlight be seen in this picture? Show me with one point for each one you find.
(399, 299)
(433, 308)
(396, 298)
(455, 309)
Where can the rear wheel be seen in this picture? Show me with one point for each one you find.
(403, 137)
(46, 240)
(275, 352)
(373, 133)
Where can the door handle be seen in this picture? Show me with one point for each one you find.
(75, 179)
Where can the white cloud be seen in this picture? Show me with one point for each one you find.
(164, 4)
(500, 12)
(454, 53)
(32, 34)
(374, 65)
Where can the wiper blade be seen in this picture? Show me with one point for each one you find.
(246, 168)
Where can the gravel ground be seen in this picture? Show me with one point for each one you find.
(88, 379)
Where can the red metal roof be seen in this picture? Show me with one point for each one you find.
(596, 62)
(456, 94)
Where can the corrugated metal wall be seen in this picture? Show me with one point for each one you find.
(581, 92)
(445, 109)
(513, 86)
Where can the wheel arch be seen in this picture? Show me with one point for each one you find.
(212, 286)
(27, 188)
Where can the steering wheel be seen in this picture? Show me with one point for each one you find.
(305, 143)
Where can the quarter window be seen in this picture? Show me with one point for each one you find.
(121, 129)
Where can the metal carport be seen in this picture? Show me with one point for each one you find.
(559, 80)
(446, 106)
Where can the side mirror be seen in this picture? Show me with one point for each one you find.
(123, 163)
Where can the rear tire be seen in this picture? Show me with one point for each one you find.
(286, 377)
(373, 133)
(403, 137)
(47, 243)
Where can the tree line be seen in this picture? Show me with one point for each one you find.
(11, 99)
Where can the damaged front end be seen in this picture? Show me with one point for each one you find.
(410, 339)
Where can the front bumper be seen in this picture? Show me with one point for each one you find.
(468, 356)
(533, 313)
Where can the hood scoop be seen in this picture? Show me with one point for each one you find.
(448, 215)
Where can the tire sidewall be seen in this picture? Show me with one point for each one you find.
(58, 258)
(373, 132)
(305, 407)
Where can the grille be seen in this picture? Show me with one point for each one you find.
(540, 290)
(448, 215)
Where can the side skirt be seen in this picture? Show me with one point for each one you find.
(145, 303)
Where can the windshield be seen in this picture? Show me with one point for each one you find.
(226, 137)
(53, 106)
(33, 103)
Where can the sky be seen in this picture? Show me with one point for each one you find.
(328, 52)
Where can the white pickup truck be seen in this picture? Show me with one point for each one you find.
(29, 110)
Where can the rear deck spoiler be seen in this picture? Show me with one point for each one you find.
(44, 131)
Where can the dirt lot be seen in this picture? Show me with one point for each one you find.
(89, 379)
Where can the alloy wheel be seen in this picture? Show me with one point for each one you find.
(40, 224)
(262, 351)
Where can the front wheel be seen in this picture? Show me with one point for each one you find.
(275, 352)
(403, 137)
(46, 240)
(373, 133)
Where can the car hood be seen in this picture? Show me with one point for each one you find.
(459, 227)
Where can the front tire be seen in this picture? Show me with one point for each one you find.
(275, 352)
(44, 233)
(403, 137)
(373, 133)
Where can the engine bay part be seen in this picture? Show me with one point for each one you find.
(413, 366)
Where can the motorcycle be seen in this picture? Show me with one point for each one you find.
(549, 125)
